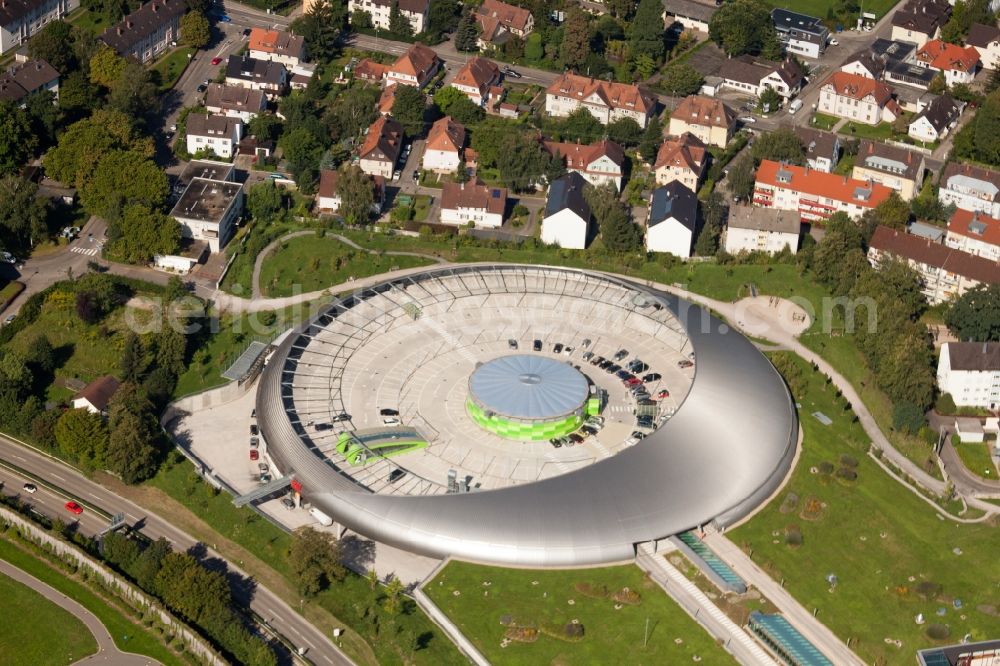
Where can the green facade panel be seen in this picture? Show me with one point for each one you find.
(529, 432)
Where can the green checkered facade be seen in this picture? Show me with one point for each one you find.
(530, 432)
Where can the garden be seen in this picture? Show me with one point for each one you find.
(523, 616)
(906, 578)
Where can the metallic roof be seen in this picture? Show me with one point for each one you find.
(725, 451)
(528, 387)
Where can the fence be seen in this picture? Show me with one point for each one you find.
(140, 601)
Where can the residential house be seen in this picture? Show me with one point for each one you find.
(445, 145)
(208, 211)
(414, 68)
(937, 119)
(986, 40)
(476, 79)
(970, 188)
(822, 148)
(684, 159)
(857, 98)
(328, 197)
(28, 78)
(96, 396)
(148, 31)
(265, 75)
(415, 11)
(216, 134)
(567, 214)
(386, 100)
(234, 101)
(865, 63)
(465, 203)
(893, 51)
(606, 100)
(756, 229)
(673, 220)
(746, 74)
(899, 169)
(974, 232)
(499, 21)
(599, 163)
(692, 15)
(381, 148)
(370, 71)
(945, 273)
(910, 74)
(814, 194)
(801, 34)
(277, 46)
(20, 19)
(919, 21)
(708, 119)
(958, 64)
(970, 373)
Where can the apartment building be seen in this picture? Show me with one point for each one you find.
(814, 194)
(606, 100)
(415, 11)
(974, 232)
(479, 80)
(277, 46)
(857, 98)
(970, 373)
(970, 188)
(899, 169)
(476, 203)
(499, 21)
(148, 31)
(217, 134)
(756, 229)
(600, 163)
(684, 159)
(20, 19)
(711, 121)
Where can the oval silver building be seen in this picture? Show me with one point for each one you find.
(724, 450)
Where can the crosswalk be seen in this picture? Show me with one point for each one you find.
(88, 251)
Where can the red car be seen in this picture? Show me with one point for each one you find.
(216, 60)
(632, 381)
(254, 454)
(73, 507)
(663, 394)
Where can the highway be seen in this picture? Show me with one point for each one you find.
(73, 485)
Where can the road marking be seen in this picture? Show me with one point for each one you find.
(56, 476)
(88, 251)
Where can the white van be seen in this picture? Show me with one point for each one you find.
(321, 517)
(795, 106)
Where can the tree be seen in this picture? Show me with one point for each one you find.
(714, 214)
(322, 28)
(467, 34)
(394, 595)
(742, 26)
(975, 315)
(986, 131)
(399, 25)
(964, 14)
(623, 9)
(54, 45)
(134, 92)
(443, 16)
(41, 355)
(625, 132)
(17, 142)
(409, 109)
(82, 436)
(83, 145)
(130, 454)
(171, 350)
(264, 201)
(265, 126)
(652, 139)
(556, 168)
(356, 194)
(195, 30)
(140, 233)
(106, 66)
(581, 126)
(453, 102)
(893, 212)
(938, 85)
(302, 151)
(361, 20)
(769, 101)
(681, 80)
(43, 114)
(522, 161)
(315, 560)
(576, 38)
(781, 145)
(22, 213)
(618, 231)
(124, 176)
(133, 362)
(742, 176)
(76, 96)
(647, 30)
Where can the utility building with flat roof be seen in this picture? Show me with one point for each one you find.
(208, 211)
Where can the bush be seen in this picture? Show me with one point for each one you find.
(848, 461)
(847, 474)
(945, 404)
(793, 536)
(907, 417)
(938, 632)
(825, 468)
(928, 589)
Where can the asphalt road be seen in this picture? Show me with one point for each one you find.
(278, 614)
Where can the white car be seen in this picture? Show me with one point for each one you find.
(390, 421)
(748, 119)
(834, 42)
(29, 488)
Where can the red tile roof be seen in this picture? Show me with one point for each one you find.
(920, 250)
(370, 70)
(478, 73)
(942, 55)
(704, 111)
(473, 195)
(988, 228)
(386, 136)
(447, 135)
(276, 41)
(418, 61)
(509, 16)
(858, 87)
(614, 95)
(685, 151)
(579, 156)
(817, 183)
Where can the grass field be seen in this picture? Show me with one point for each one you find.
(823, 121)
(976, 458)
(172, 65)
(128, 635)
(819, 8)
(91, 21)
(310, 263)
(542, 599)
(24, 610)
(893, 555)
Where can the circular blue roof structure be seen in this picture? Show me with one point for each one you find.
(725, 450)
(528, 388)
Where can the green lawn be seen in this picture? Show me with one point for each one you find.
(880, 132)
(172, 65)
(889, 549)
(309, 263)
(128, 635)
(823, 121)
(976, 458)
(24, 610)
(91, 21)
(819, 8)
(542, 599)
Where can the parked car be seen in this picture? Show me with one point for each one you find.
(663, 394)
(253, 429)
(587, 355)
(575, 437)
(585, 343)
(225, 19)
(557, 348)
(620, 354)
(638, 435)
(201, 88)
(632, 381)
(254, 442)
(595, 420)
(73, 507)
(10, 318)
(341, 417)
(623, 374)
(537, 345)
(390, 421)
(388, 412)
(510, 72)
(323, 426)
(641, 395)
(254, 454)
(262, 468)
(567, 351)
(289, 503)
(216, 60)
(512, 343)
(652, 377)
(29, 488)
(396, 474)
(589, 430)
(556, 443)
(685, 364)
